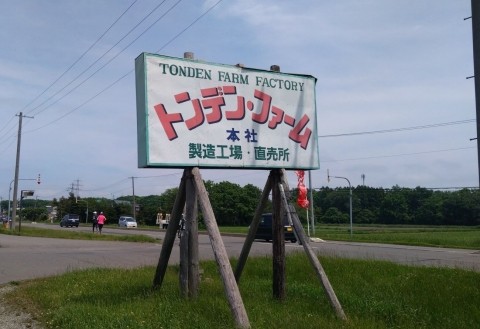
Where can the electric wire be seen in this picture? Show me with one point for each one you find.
(99, 58)
(6, 124)
(98, 70)
(126, 74)
(189, 26)
(400, 129)
(128, 180)
(79, 58)
(402, 154)
(7, 134)
(106, 186)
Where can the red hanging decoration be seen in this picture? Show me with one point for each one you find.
(302, 200)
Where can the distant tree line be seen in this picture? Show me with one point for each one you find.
(398, 205)
(235, 205)
(232, 204)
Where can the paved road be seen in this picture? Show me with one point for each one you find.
(24, 258)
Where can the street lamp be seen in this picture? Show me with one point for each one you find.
(10, 190)
(350, 187)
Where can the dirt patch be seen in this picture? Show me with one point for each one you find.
(11, 316)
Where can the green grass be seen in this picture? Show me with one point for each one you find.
(433, 236)
(373, 295)
(76, 235)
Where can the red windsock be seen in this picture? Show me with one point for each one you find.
(302, 200)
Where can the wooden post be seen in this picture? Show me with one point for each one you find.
(186, 235)
(170, 235)
(230, 286)
(189, 263)
(191, 215)
(297, 225)
(183, 270)
(278, 235)
(253, 229)
(278, 239)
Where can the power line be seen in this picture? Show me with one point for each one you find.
(101, 68)
(8, 135)
(126, 74)
(6, 124)
(127, 179)
(99, 58)
(189, 26)
(106, 187)
(78, 59)
(400, 129)
(402, 154)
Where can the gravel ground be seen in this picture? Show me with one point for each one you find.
(11, 318)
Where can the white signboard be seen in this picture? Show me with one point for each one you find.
(192, 113)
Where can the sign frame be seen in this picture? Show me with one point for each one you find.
(197, 114)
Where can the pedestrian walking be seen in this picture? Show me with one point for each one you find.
(101, 219)
(94, 222)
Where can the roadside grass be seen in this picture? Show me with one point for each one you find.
(76, 235)
(374, 294)
(432, 236)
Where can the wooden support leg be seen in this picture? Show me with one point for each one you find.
(230, 286)
(253, 229)
(191, 215)
(311, 254)
(170, 235)
(183, 271)
(278, 239)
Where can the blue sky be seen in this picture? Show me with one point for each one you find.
(380, 65)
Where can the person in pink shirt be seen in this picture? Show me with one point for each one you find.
(101, 219)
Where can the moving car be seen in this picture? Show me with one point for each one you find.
(70, 220)
(264, 230)
(127, 221)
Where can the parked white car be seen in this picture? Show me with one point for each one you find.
(127, 221)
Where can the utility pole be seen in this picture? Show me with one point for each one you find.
(17, 169)
(77, 189)
(476, 68)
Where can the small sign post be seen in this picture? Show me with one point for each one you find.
(23, 194)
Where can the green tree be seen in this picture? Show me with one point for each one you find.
(335, 216)
(225, 202)
(248, 199)
(394, 209)
(34, 214)
(67, 206)
(149, 208)
(364, 216)
(462, 208)
(430, 211)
